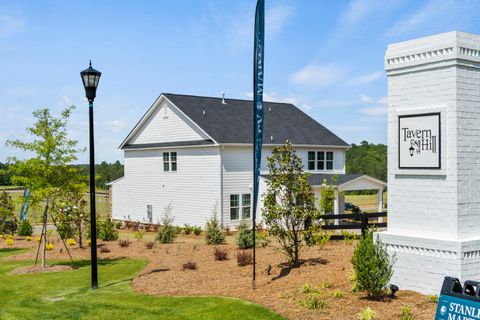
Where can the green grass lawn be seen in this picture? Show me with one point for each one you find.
(67, 295)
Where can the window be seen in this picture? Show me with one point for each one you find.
(320, 160)
(149, 213)
(169, 161)
(236, 206)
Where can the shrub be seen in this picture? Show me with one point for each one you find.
(178, 229)
(349, 237)
(49, 246)
(104, 249)
(326, 285)
(190, 265)
(244, 237)
(149, 244)
(124, 243)
(71, 242)
(261, 238)
(8, 221)
(406, 313)
(318, 238)
(338, 294)
(138, 235)
(118, 224)
(89, 242)
(107, 231)
(220, 254)
(25, 228)
(313, 302)
(197, 230)
(187, 229)
(244, 258)
(372, 265)
(308, 288)
(433, 298)
(367, 314)
(28, 238)
(9, 242)
(38, 239)
(167, 232)
(213, 231)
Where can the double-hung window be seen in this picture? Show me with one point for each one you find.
(240, 205)
(169, 161)
(320, 160)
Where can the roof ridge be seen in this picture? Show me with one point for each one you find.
(220, 98)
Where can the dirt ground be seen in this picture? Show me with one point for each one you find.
(328, 270)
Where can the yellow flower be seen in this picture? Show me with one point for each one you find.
(88, 242)
(10, 237)
(9, 242)
(49, 246)
(28, 238)
(38, 239)
(71, 242)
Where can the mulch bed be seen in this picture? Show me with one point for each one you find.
(40, 269)
(328, 270)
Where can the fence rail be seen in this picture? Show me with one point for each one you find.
(353, 221)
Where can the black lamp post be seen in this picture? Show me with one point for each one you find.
(90, 78)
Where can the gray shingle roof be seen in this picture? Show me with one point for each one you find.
(233, 122)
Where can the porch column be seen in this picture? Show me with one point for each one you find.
(380, 204)
(336, 206)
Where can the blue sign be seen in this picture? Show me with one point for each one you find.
(24, 210)
(457, 302)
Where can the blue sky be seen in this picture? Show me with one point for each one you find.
(326, 57)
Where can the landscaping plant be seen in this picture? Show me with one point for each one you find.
(349, 237)
(138, 235)
(244, 237)
(197, 230)
(213, 231)
(313, 302)
(104, 249)
(338, 294)
(372, 265)
(8, 221)
(167, 232)
(72, 218)
(106, 230)
(149, 244)
(289, 201)
(187, 229)
(367, 314)
(25, 229)
(220, 254)
(190, 265)
(406, 313)
(244, 258)
(124, 243)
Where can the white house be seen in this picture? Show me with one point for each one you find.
(194, 155)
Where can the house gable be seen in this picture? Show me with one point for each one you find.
(164, 123)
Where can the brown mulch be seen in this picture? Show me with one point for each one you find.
(328, 270)
(40, 269)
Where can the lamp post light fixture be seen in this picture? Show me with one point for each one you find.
(90, 78)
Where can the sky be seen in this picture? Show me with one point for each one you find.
(326, 57)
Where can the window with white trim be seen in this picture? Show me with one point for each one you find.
(320, 160)
(240, 206)
(169, 161)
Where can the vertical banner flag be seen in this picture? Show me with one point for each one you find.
(24, 210)
(258, 73)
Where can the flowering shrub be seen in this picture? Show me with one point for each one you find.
(71, 242)
(49, 246)
(9, 242)
(28, 238)
(38, 239)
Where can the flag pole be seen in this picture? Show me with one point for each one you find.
(258, 72)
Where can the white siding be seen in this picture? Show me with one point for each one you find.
(167, 124)
(237, 166)
(193, 191)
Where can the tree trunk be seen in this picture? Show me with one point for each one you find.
(43, 237)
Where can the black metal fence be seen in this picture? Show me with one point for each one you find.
(353, 221)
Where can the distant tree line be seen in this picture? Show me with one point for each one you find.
(104, 172)
(368, 158)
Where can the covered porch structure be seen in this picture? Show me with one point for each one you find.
(347, 182)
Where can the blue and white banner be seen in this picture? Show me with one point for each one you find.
(258, 73)
(24, 210)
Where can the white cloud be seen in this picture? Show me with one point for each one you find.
(274, 97)
(435, 16)
(10, 25)
(116, 125)
(374, 111)
(365, 99)
(277, 18)
(317, 76)
(366, 78)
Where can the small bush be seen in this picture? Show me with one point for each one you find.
(71, 242)
(220, 254)
(119, 224)
(367, 314)
(8, 220)
(190, 265)
(406, 313)
(49, 246)
(372, 265)
(308, 288)
(261, 238)
(38, 239)
(244, 237)
(433, 298)
(197, 230)
(313, 302)
(338, 294)
(89, 242)
(349, 237)
(104, 249)
(326, 285)
(149, 244)
(124, 243)
(244, 258)
(213, 231)
(187, 229)
(138, 235)
(28, 238)
(178, 229)
(25, 228)
(167, 233)
(9, 242)
(106, 230)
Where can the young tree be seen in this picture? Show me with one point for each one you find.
(289, 201)
(48, 174)
(71, 215)
(8, 221)
(327, 197)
